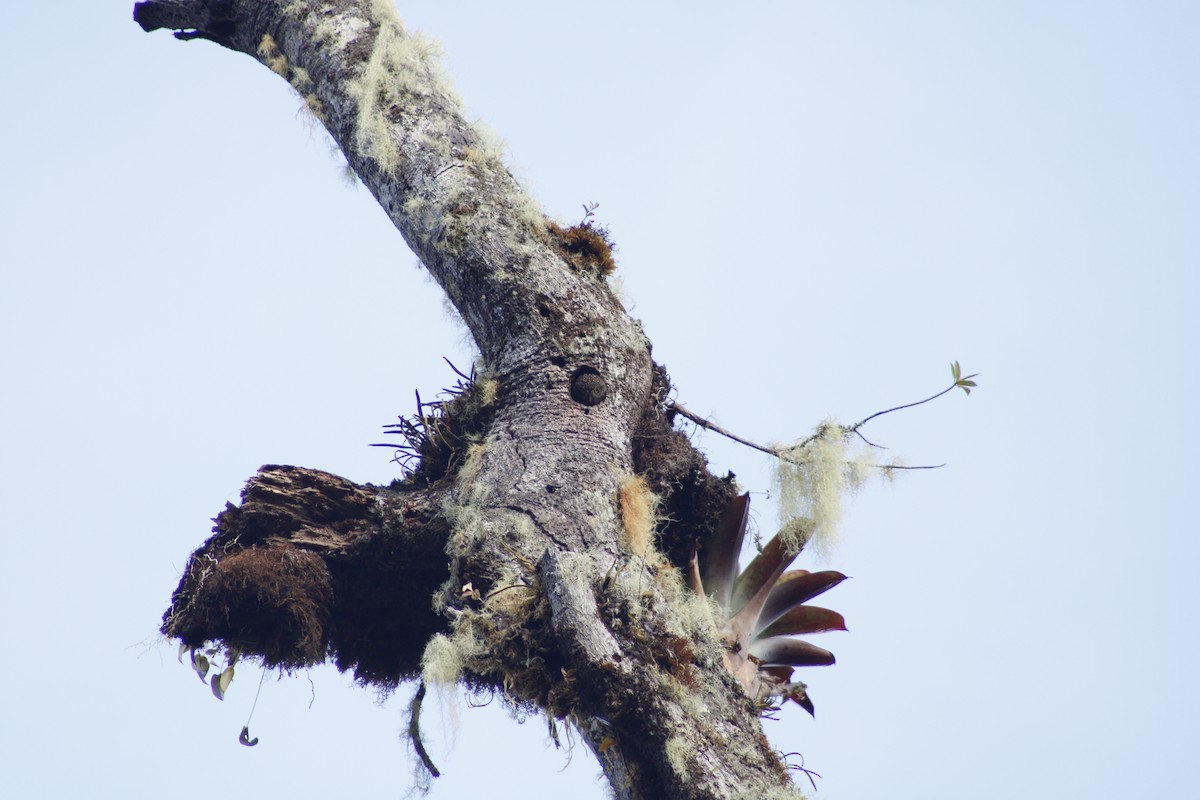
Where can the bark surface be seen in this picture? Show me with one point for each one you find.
(516, 563)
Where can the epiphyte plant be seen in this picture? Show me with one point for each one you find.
(763, 606)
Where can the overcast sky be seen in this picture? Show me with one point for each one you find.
(817, 205)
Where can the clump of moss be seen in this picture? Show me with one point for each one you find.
(494, 629)
(275, 602)
(585, 246)
(693, 498)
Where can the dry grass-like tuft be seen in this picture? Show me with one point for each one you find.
(638, 517)
(584, 246)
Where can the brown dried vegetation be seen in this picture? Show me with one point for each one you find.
(275, 602)
(283, 578)
(585, 246)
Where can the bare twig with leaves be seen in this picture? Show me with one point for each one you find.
(960, 382)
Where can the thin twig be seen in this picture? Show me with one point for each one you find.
(254, 705)
(854, 428)
(858, 433)
(780, 453)
(521, 585)
(715, 428)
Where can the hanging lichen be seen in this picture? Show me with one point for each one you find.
(813, 477)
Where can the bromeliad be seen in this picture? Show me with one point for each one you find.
(763, 606)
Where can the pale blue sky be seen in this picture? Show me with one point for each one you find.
(818, 205)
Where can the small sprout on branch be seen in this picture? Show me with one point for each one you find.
(589, 211)
(966, 384)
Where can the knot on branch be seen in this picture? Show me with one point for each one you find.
(588, 388)
(189, 19)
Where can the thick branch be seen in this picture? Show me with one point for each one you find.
(664, 718)
(379, 91)
(312, 566)
(190, 21)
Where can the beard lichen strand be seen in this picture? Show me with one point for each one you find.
(441, 179)
(404, 118)
(407, 111)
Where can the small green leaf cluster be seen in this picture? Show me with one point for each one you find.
(961, 382)
(201, 662)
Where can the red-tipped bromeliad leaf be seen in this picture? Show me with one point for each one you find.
(804, 619)
(795, 652)
(795, 589)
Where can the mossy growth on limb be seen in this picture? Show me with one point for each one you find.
(536, 545)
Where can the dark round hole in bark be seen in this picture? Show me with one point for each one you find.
(587, 387)
(558, 361)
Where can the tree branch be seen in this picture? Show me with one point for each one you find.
(312, 566)
(311, 563)
(715, 428)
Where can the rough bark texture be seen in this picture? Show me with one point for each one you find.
(538, 586)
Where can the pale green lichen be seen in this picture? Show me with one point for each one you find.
(678, 752)
(297, 77)
(488, 388)
(813, 477)
(296, 8)
(403, 72)
(442, 662)
(300, 78)
(447, 657)
(488, 151)
(512, 596)
(413, 205)
(467, 518)
(469, 492)
(268, 51)
(402, 67)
